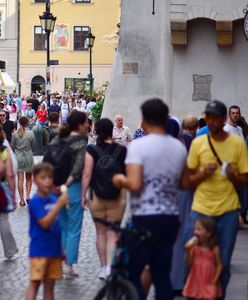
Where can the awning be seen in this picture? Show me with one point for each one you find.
(6, 81)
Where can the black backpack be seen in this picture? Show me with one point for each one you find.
(59, 154)
(106, 166)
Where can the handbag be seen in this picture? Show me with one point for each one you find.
(6, 200)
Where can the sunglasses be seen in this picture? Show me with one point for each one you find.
(2, 115)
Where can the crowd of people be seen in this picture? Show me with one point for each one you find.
(187, 183)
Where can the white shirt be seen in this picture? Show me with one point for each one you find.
(122, 135)
(82, 109)
(89, 107)
(235, 130)
(12, 115)
(65, 109)
(163, 159)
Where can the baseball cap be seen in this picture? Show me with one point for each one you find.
(216, 108)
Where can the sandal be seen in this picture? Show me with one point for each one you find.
(22, 203)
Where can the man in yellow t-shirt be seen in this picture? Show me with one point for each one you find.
(216, 164)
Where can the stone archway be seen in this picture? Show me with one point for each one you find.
(38, 83)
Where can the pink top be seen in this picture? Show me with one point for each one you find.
(199, 283)
(24, 105)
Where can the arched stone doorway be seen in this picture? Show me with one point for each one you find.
(38, 83)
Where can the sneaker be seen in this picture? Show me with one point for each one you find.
(108, 271)
(102, 273)
(13, 255)
(69, 272)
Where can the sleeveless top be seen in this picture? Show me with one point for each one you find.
(199, 283)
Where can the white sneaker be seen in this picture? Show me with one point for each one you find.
(107, 270)
(69, 272)
(102, 273)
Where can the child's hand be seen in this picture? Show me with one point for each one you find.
(193, 241)
(63, 198)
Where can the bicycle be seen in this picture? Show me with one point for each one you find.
(118, 286)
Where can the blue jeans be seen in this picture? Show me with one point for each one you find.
(71, 223)
(156, 253)
(227, 228)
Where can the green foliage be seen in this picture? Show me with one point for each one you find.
(97, 109)
(99, 94)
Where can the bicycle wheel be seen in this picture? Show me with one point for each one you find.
(121, 289)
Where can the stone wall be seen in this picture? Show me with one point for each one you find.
(161, 55)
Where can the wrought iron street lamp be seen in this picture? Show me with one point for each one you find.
(90, 39)
(47, 21)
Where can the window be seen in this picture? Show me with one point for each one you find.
(2, 65)
(82, 1)
(39, 38)
(77, 85)
(40, 1)
(80, 34)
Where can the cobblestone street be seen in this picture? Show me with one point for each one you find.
(14, 273)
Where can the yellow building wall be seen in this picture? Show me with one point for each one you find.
(101, 15)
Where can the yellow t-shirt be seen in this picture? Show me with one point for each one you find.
(4, 155)
(217, 195)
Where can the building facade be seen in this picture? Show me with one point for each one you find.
(67, 44)
(188, 52)
(9, 39)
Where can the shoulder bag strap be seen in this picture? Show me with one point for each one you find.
(213, 150)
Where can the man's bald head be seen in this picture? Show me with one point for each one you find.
(190, 123)
(119, 121)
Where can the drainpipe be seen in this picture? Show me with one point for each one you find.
(18, 49)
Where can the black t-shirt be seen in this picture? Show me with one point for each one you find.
(35, 104)
(8, 128)
(111, 148)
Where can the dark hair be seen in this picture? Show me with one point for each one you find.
(155, 112)
(43, 167)
(104, 129)
(234, 107)
(209, 226)
(2, 135)
(24, 121)
(54, 117)
(243, 124)
(75, 119)
(13, 102)
(202, 122)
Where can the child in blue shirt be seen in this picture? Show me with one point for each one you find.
(45, 250)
